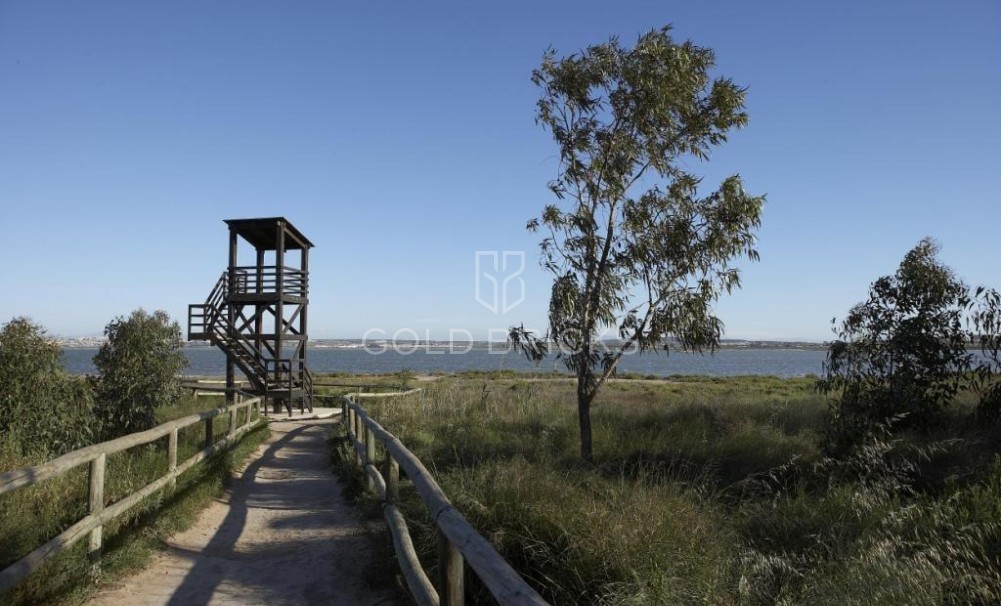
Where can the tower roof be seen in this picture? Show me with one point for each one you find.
(262, 233)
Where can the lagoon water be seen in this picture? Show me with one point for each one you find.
(727, 362)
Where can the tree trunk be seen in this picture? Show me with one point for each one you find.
(584, 417)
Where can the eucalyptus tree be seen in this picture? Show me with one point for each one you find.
(903, 352)
(985, 322)
(634, 243)
(139, 366)
(43, 410)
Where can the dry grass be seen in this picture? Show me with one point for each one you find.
(707, 491)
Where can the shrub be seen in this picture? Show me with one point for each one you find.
(986, 321)
(138, 369)
(902, 351)
(43, 410)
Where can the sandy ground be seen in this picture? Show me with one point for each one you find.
(282, 534)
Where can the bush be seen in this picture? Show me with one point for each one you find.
(986, 321)
(138, 369)
(43, 410)
(901, 352)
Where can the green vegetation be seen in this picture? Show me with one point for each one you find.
(636, 247)
(708, 491)
(43, 410)
(340, 384)
(986, 330)
(902, 356)
(44, 413)
(405, 378)
(31, 516)
(138, 368)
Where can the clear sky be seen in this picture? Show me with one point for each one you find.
(400, 138)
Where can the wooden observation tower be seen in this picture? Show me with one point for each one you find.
(256, 314)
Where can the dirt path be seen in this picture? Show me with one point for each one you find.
(282, 534)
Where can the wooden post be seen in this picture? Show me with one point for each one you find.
(280, 300)
(369, 447)
(303, 324)
(230, 312)
(362, 435)
(259, 311)
(96, 498)
(353, 433)
(369, 456)
(450, 573)
(359, 437)
(209, 438)
(172, 455)
(391, 473)
(232, 422)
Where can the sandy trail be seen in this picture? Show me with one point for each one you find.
(282, 534)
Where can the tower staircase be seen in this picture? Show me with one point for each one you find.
(257, 313)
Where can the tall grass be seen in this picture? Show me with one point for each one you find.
(31, 516)
(707, 491)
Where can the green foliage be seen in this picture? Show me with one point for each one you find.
(138, 369)
(43, 410)
(708, 491)
(31, 516)
(636, 247)
(857, 529)
(986, 329)
(404, 379)
(903, 351)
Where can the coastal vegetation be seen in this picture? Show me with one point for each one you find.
(903, 354)
(708, 490)
(138, 369)
(877, 483)
(43, 409)
(44, 412)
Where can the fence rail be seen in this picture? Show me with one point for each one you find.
(251, 279)
(458, 541)
(96, 455)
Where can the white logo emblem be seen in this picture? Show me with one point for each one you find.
(506, 267)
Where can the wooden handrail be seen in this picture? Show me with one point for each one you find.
(251, 279)
(458, 540)
(96, 455)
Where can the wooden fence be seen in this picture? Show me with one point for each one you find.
(458, 541)
(96, 455)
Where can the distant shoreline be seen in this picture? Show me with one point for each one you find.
(96, 342)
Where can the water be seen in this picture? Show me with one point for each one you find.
(727, 362)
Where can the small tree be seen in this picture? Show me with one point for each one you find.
(138, 368)
(986, 333)
(635, 247)
(903, 351)
(43, 410)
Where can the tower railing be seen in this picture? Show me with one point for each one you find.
(253, 280)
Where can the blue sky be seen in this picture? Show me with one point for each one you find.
(400, 138)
